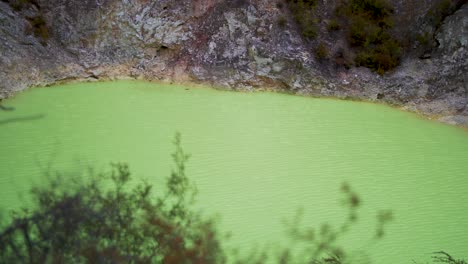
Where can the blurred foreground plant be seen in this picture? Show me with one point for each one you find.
(96, 223)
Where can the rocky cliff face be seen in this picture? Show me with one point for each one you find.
(235, 44)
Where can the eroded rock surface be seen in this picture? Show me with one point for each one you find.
(235, 44)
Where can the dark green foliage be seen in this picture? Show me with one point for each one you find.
(362, 33)
(369, 27)
(90, 223)
(343, 59)
(38, 24)
(333, 25)
(380, 58)
(279, 5)
(321, 51)
(309, 31)
(440, 10)
(426, 43)
(373, 9)
(282, 21)
(305, 3)
(434, 17)
(18, 5)
(39, 27)
(303, 12)
(424, 39)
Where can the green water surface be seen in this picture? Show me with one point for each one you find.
(256, 159)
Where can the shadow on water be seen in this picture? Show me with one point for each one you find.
(6, 108)
(21, 119)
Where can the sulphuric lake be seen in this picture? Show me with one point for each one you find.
(255, 158)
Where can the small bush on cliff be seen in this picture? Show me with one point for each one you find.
(39, 27)
(303, 12)
(321, 51)
(424, 39)
(381, 58)
(440, 10)
(333, 25)
(282, 21)
(368, 32)
(18, 5)
(433, 20)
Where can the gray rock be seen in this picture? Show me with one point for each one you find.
(453, 34)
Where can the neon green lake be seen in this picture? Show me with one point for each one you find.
(256, 159)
